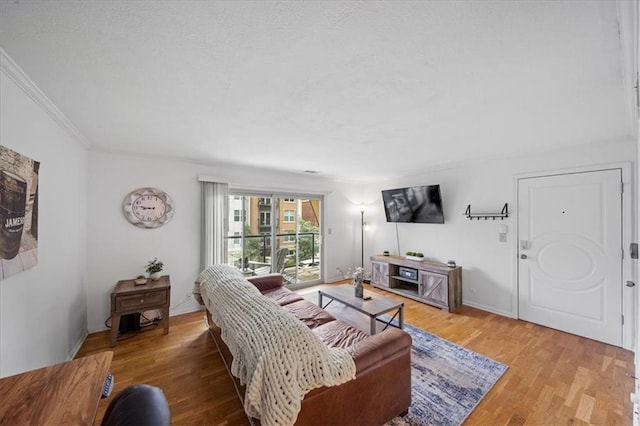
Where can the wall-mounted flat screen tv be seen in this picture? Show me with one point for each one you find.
(416, 204)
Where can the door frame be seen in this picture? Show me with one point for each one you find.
(629, 294)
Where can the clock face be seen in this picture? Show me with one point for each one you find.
(147, 207)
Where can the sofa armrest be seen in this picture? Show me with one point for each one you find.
(267, 282)
(375, 349)
(383, 375)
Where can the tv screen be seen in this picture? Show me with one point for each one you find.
(417, 204)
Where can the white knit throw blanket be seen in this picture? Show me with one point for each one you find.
(275, 355)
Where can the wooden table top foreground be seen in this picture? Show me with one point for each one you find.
(66, 393)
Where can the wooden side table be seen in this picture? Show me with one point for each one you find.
(129, 298)
(62, 394)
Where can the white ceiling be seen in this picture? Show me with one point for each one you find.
(358, 91)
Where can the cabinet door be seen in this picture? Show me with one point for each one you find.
(434, 288)
(380, 274)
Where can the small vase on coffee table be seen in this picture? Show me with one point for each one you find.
(358, 289)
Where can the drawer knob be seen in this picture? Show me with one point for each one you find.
(141, 300)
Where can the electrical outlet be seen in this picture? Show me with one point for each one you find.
(187, 297)
(502, 237)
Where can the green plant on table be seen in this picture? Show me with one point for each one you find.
(154, 265)
(415, 254)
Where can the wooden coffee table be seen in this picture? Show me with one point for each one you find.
(374, 307)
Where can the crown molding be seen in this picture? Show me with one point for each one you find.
(22, 80)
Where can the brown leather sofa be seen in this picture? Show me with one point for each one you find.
(382, 387)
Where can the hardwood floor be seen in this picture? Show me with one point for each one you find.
(553, 377)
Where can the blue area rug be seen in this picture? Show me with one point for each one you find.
(447, 380)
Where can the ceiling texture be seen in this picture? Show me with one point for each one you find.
(356, 90)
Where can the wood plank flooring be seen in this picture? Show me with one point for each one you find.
(554, 378)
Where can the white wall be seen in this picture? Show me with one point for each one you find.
(118, 250)
(43, 309)
(488, 265)
(342, 230)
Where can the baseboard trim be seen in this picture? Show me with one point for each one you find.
(489, 309)
(78, 345)
(185, 310)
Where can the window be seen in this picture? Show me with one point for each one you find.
(238, 215)
(265, 218)
(262, 227)
(289, 216)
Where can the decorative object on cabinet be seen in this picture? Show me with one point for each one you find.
(18, 212)
(415, 255)
(153, 268)
(436, 283)
(140, 280)
(503, 214)
(147, 207)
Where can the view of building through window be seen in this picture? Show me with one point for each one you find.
(272, 234)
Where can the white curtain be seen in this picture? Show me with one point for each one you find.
(215, 199)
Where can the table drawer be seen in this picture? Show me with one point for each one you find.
(127, 303)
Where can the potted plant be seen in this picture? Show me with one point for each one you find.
(153, 268)
(415, 255)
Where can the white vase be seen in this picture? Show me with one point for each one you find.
(155, 276)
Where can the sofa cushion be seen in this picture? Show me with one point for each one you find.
(310, 314)
(338, 334)
(267, 282)
(282, 296)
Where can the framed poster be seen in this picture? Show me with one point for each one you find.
(18, 212)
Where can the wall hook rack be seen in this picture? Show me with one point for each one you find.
(504, 213)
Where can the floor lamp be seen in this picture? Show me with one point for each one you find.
(362, 235)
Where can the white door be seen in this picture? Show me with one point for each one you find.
(570, 253)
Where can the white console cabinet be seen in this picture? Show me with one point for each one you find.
(435, 283)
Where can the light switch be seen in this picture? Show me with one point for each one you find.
(504, 229)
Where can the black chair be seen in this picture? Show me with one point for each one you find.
(139, 405)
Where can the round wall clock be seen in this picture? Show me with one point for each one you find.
(147, 207)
